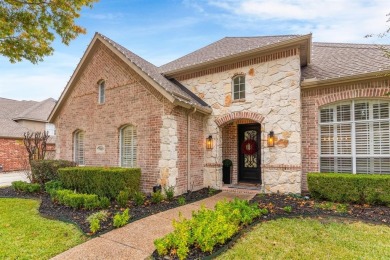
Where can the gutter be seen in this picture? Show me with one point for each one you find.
(189, 148)
(302, 39)
(314, 82)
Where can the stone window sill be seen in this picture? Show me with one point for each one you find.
(238, 100)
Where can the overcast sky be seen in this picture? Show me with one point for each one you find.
(161, 31)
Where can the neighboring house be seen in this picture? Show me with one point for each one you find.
(278, 107)
(16, 118)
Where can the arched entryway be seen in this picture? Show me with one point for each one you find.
(241, 143)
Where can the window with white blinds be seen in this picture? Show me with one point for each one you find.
(355, 137)
(78, 148)
(128, 146)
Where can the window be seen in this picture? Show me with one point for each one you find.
(355, 137)
(128, 146)
(239, 87)
(102, 92)
(50, 129)
(79, 147)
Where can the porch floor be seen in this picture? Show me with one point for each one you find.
(243, 187)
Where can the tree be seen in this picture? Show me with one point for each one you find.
(36, 144)
(28, 27)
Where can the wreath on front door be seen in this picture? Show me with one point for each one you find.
(249, 147)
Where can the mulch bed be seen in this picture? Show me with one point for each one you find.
(300, 207)
(52, 210)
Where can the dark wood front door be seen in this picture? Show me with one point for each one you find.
(249, 153)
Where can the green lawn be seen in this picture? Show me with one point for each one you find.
(24, 234)
(312, 239)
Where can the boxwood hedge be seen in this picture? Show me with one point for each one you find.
(351, 188)
(103, 181)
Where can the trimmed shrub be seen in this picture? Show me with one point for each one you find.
(91, 201)
(52, 185)
(123, 198)
(105, 182)
(76, 200)
(26, 187)
(104, 202)
(351, 188)
(46, 170)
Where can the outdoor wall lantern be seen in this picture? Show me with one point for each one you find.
(271, 139)
(209, 142)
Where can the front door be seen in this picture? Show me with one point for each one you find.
(249, 153)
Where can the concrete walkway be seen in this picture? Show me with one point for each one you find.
(135, 240)
(7, 178)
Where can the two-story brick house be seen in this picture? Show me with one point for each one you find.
(277, 106)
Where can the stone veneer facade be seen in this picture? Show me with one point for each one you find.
(272, 99)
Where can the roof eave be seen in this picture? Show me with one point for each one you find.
(151, 81)
(291, 42)
(312, 83)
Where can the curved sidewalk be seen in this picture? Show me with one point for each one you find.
(135, 240)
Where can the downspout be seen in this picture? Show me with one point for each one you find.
(189, 148)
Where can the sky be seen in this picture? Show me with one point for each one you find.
(163, 30)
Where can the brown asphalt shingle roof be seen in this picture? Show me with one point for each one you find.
(225, 47)
(153, 72)
(333, 60)
(14, 109)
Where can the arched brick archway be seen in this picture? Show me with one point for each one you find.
(222, 120)
(351, 94)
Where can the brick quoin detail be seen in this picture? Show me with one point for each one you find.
(239, 115)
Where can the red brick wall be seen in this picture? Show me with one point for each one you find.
(13, 154)
(129, 100)
(313, 99)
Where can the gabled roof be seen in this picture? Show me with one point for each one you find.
(339, 60)
(13, 110)
(145, 69)
(232, 47)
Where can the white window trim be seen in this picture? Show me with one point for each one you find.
(75, 151)
(352, 122)
(134, 163)
(232, 87)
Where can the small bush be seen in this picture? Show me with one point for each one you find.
(26, 187)
(43, 171)
(212, 191)
(94, 220)
(52, 185)
(351, 188)
(207, 228)
(169, 192)
(122, 198)
(157, 197)
(105, 182)
(139, 198)
(104, 202)
(287, 209)
(91, 201)
(121, 219)
(76, 200)
(181, 200)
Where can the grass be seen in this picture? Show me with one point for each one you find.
(24, 234)
(312, 239)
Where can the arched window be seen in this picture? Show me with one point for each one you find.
(355, 137)
(238, 86)
(102, 91)
(128, 146)
(78, 147)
